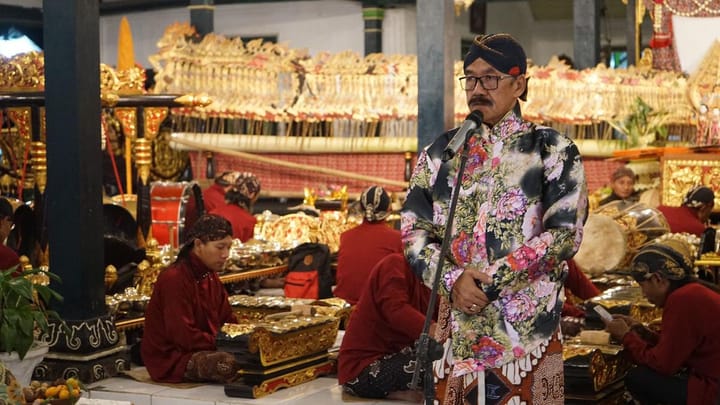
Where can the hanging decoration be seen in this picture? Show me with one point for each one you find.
(665, 55)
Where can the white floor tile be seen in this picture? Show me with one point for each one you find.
(136, 399)
(321, 391)
(122, 384)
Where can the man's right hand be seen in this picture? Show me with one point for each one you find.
(466, 294)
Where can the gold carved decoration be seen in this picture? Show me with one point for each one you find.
(681, 173)
(153, 117)
(128, 119)
(292, 379)
(24, 72)
(143, 159)
(39, 164)
(168, 162)
(277, 348)
(123, 82)
(603, 364)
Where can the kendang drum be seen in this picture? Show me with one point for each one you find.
(174, 207)
(613, 234)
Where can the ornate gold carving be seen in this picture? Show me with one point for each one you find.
(128, 119)
(682, 173)
(39, 165)
(20, 116)
(602, 364)
(292, 379)
(153, 117)
(143, 159)
(194, 100)
(126, 81)
(276, 348)
(24, 72)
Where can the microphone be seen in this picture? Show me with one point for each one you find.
(472, 121)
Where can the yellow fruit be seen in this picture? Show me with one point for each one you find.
(76, 393)
(51, 392)
(73, 382)
(64, 393)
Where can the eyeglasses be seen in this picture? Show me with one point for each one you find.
(488, 82)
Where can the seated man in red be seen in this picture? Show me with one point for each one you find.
(362, 247)
(214, 196)
(692, 216)
(238, 205)
(188, 307)
(681, 364)
(377, 356)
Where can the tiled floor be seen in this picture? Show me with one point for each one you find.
(321, 391)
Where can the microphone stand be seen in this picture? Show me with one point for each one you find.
(428, 349)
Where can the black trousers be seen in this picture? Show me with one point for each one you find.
(650, 387)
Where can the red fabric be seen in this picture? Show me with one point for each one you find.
(213, 197)
(188, 306)
(8, 258)
(388, 317)
(577, 284)
(361, 248)
(682, 219)
(243, 223)
(690, 338)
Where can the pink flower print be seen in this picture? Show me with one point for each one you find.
(461, 247)
(511, 205)
(518, 307)
(522, 258)
(488, 349)
(518, 352)
(495, 162)
(554, 166)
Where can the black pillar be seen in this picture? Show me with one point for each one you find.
(435, 69)
(74, 195)
(373, 18)
(89, 348)
(586, 22)
(201, 16)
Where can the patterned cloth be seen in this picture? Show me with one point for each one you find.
(392, 372)
(535, 379)
(375, 203)
(521, 208)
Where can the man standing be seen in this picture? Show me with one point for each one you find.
(522, 204)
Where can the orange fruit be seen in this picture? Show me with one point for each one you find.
(64, 393)
(51, 392)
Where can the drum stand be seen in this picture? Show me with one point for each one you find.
(428, 349)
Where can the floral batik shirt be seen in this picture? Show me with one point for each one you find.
(521, 208)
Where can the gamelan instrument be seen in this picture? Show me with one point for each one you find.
(278, 346)
(615, 232)
(174, 207)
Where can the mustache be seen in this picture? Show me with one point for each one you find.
(480, 100)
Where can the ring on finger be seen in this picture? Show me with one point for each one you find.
(473, 307)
